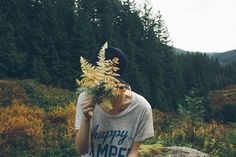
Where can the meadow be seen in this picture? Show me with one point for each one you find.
(38, 120)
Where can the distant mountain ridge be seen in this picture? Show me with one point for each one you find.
(223, 57)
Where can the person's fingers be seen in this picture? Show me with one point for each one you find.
(87, 101)
(86, 105)
(88, 109)
(90, 99)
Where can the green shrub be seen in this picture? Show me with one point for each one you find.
(229, 150)
(64, 148)
(10, 91)
(46, 97)
(225, 113)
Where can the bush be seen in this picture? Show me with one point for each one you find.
(225, 113)
(10, 91)
(208, 137)
(46, 97)
(21, 127)
(62, 117)
(188, 128)
(30, 131)
(229, 150)
(192, 110)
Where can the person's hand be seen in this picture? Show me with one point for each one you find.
(87, 106)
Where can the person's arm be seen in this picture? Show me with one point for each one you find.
(83, 138)
(83, 135)
(134, 149)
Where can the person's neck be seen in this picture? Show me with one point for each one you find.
(118, 105)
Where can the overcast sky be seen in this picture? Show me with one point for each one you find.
(199, 25)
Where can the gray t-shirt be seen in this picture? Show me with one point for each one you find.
(113, 135)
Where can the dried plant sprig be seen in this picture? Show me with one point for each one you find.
(101, 80)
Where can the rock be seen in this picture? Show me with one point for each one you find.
(186, 152)
(158, 150)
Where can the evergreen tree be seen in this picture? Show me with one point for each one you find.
(150, 46)
(44, 39)
(13, 28)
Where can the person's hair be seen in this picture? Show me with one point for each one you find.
(112, 52)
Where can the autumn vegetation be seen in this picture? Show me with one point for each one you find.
(29, 128)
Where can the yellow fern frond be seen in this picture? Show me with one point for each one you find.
(77, 81)
(105, 72)
(102, 59)
(101, 54)
(88, 76)
(115, 60)
(86, 67)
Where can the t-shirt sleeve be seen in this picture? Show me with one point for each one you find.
(79, 112)
(145, 127)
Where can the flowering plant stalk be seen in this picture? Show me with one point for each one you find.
(100, 81)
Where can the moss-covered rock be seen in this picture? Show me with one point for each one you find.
(158, 150)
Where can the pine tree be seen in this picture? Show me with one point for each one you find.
(13, 25)
(150, 47)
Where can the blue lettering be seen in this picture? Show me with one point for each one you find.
(104, 135)
(101, 135)
(94, 132)
(102, 149)
(120, 154)
(112, 151)
(115, 134)
(108, 134)
(124, 136)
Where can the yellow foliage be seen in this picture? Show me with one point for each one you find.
(106, 104)
(207, 136)
(105, 72)
(90, 75)
(214, 129)
(151, 150)
(19, 120)
(59, 116)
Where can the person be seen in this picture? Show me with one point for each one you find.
(118, 132)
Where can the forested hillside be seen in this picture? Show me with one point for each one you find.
(44, 39)
(225, 57)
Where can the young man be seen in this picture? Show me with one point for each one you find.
(114, 133)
